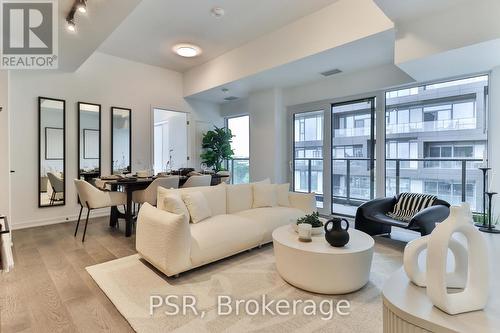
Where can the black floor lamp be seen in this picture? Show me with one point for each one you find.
(490, 229)
(484, 224)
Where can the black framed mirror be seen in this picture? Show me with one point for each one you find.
(89, 141)
(121, 140)
(51, 152)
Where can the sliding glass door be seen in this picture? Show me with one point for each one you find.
(353, 154)
(308, 153)
(239, 166)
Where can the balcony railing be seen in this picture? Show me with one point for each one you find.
(309, 166)
(239, 169)
(353, 179)
(432, 126)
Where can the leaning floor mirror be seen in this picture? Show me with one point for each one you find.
(121, 144)
(51, 152)
(89, 141)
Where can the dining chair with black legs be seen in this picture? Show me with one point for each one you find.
(93, 198)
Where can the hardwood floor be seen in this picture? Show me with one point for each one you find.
(49, 289)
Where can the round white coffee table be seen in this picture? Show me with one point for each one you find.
(319, 267)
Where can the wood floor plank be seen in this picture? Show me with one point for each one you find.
(49, 289)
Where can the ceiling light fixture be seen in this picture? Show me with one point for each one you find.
(187, 50)
(70, 21)
(82, 6)
(218, 12)
(70, 25)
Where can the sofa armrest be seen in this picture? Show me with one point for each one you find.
(380, 205)
(163, 239)
(426, 219)
(303, 201)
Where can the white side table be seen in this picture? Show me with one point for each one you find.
(319, 267)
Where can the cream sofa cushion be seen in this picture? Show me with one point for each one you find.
(215, 195)
(270, 218)
(158, 232)
(223, 235)
(173, 203)
(239, 197)
(265, 195)
(197, 205)
(282, 193)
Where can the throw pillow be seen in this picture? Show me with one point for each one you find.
(283, 190)
(264, 195)
(197, 205)
(239, 197)
(409, 204)
(173, 204)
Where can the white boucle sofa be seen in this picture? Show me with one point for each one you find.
(174, 245)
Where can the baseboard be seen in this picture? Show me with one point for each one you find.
(56, 220)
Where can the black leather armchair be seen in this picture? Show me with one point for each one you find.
(371, 217)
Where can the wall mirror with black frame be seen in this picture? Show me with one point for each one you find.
(51, 152)
(121, 140)
(89, 141)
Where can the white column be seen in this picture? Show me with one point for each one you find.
(494, 136)
(267, 136)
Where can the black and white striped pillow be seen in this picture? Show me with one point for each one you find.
(409, 204)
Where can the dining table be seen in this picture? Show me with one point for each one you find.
(131, 184)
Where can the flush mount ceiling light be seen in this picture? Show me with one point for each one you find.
(187, 50)
(82, 6)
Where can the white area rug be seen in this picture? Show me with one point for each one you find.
(129, 282)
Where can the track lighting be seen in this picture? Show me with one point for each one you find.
(82, 6)
(70, 20)
(70, 25)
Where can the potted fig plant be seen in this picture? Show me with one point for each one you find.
(216, 146)
(313, 220)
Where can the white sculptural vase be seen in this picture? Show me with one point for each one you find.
(471, 264)
(417, 275)
(475, 294)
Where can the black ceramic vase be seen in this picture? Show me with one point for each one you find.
(337, 236)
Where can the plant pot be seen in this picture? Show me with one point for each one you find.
(314, 231)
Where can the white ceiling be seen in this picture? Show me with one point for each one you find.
(368, 52)
(150, 31)
(92, 29)
(407, 10)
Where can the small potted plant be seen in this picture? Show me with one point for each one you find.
(313, 220)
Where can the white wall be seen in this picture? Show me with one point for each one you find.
(102, 79)
(4, 145)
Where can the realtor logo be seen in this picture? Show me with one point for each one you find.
(29, 34)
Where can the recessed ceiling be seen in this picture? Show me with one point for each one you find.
(150, 31)
(364, 53)
(407, 10)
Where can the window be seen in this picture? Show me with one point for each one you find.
(169, 140)
(440, 129)
(308, 154)
(353, 151)
(239, 166)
